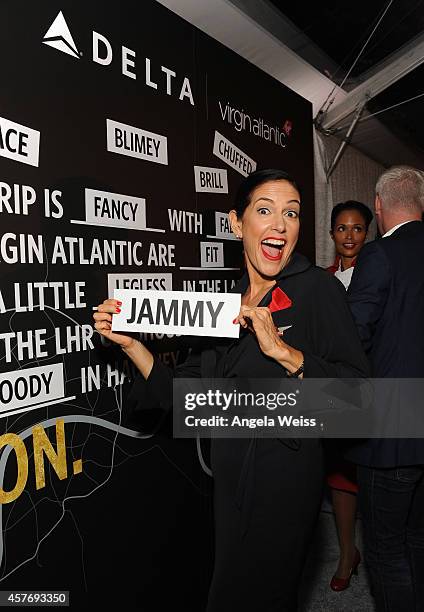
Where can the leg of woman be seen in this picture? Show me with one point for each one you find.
(344, 505)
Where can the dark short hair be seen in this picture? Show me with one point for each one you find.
(259, 177)
(362, 209)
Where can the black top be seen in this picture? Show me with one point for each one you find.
(319, 324)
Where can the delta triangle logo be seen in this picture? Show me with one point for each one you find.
(59, 37)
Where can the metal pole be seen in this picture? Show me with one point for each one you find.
(347, 138)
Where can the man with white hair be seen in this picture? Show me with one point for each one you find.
(386, 297)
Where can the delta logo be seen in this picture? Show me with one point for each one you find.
(59, 37)
(157, 77)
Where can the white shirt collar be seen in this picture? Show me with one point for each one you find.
(345, 276)
(392, 231)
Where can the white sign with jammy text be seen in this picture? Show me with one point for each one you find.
(178, 312)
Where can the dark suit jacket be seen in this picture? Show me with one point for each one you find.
(386, 297)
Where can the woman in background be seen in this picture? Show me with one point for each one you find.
(349, 227)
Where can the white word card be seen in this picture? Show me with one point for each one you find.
(178, 312)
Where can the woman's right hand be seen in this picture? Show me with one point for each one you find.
(136, 351)
(103, 323)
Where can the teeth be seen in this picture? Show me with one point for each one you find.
(274, 242)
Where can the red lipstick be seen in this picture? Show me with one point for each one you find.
(272, 252)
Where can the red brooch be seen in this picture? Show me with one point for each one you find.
(279, 301)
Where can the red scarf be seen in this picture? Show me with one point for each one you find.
(280, 300)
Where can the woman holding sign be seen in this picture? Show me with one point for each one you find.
(295, 322)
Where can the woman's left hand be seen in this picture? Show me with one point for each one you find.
(259, 321)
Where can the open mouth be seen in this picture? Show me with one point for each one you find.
(272, 248)
(349, 245)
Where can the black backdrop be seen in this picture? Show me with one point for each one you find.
(134, 527)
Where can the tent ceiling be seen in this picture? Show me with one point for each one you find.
(340, 30)
(260, 32)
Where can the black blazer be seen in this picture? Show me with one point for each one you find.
(386, 297)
